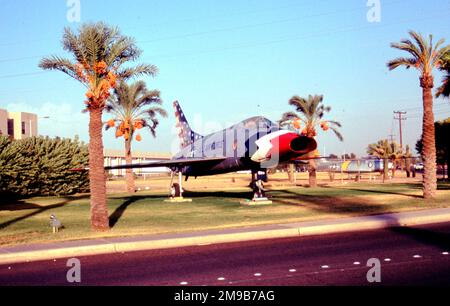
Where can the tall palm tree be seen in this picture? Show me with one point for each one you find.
(424, 56)
(307, 119)
(133, 107)
(99, 52)
(388, 152)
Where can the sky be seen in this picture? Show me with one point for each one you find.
(225, 61)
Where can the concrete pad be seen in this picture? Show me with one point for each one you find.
(178, 200)
(256, 202)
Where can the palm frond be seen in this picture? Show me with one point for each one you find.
(401, 61)
(61, 64)
(139, 70)
(444, 89)
(337, 133)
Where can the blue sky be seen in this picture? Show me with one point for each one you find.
(229, 60)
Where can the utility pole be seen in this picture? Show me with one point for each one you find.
(400, 118)
(391, 137)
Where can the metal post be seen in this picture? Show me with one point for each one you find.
(180, 182)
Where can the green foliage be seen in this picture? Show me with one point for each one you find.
(310, 111)
(134, 102)
(444, 89)
(95, 42)
(41, 166)
(442, 132)
(385, 150)
(424, 54)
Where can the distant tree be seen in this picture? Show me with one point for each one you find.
(408, 160)
(309, 116)
(99, 52)
(333, 156)
(442, 132)
(349, 156)
(425, 56)
(388, 151)
(444, 89)
(133, 107)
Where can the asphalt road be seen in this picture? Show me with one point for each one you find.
(408, 256)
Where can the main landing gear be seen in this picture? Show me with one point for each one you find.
(176, 189)
(259, 193)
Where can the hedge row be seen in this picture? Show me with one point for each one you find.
(41, 166)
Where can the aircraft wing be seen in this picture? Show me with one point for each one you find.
(306, 159)
(173, 163)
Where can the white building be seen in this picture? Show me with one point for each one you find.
(117, 158)
(18, 125)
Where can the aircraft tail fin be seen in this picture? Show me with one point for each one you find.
(185, 133)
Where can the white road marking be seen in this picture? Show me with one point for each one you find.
(184, 283)
(387, 260)
(257, 274)
(292, 270)
(356, 263)
(444, 253)
(417, 256)
(221, 279)
(325, 267)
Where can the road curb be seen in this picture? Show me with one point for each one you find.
(111, 246)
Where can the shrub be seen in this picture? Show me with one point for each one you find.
(41, 166)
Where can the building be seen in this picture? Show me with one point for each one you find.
(18, 125)
(117, 158)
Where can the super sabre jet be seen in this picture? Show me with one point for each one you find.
(254, 144)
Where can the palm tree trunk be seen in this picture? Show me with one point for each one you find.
(312, 174)
(291, 172)
(408, 167)
(129, 176)
(394, 168)
(429, 141)
(385, 169)
(97, 176)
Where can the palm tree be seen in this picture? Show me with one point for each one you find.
(408, 159)
(425, 56)
(387, 151)
(307, 118)
(133, 107)
(99, 52)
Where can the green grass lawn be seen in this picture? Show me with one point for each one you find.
(26, 221)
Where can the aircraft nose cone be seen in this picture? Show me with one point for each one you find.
(284, 145)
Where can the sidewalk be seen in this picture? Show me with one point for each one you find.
(68, 249)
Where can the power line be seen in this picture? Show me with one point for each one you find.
(227, 16)
(21, 74)
(301, 18)
(436, 113)
(21, 58)
(324, 33)
(420, 108)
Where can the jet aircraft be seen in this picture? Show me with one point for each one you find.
(255, 144)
